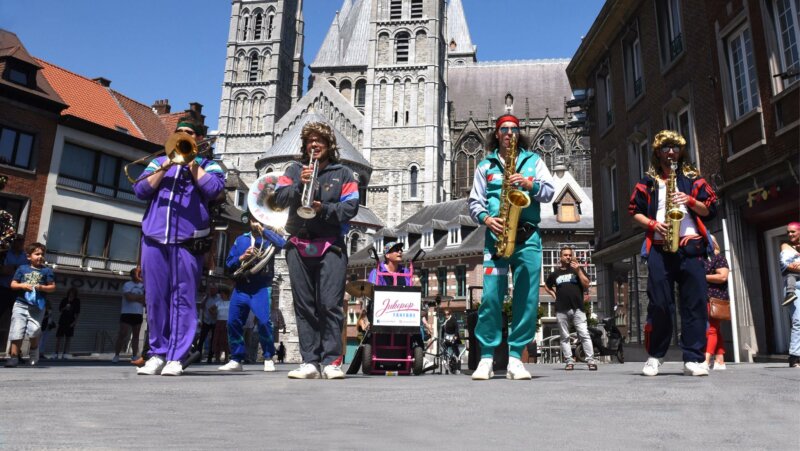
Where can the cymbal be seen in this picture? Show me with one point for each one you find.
(359, 288)
(430, 299)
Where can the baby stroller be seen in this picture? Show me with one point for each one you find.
(392, 344)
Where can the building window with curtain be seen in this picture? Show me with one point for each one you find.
(96, 172)
(16, 148)
(92, 242)
(741, 72)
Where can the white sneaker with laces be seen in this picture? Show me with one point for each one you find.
(694, 369)
(172, 368)
(704, 365)
(305, 371)
(115, 359)
(153, 366)
(233, 365)
(651, 367)
(34, 357)
(332, 372)
(720, 367)
(484, 370)
(516, 370)
(12, 362)
(269, 366)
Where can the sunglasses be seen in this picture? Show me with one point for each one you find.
(504, 130)
(666, 149)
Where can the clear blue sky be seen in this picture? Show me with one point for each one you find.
(144, 48)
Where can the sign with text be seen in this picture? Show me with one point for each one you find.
(397, 306)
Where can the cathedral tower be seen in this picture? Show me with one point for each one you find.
(263, 78)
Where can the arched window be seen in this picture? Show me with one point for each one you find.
(416, 9)
(253, 72)
(245, 27)
(401, 47)
(270, 23)
(468, 154)
(345, 88)
(361, 94)
(412, 182)
(222, 250)
(354, 243)
(421, 47)
(547, 146)
(332, 82)
(259, 23)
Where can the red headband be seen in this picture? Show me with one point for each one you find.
(506, 118)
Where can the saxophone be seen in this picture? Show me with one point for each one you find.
(512, 201)
(674, 215)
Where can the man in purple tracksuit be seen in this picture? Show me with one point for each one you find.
(175, 234)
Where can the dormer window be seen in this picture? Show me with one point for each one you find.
(379, 245)
(454, 236)
(403, 239)
(427, 239)
(19, 77)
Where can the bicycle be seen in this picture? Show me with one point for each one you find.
(442, 349)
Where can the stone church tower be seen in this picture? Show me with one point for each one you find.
(263, 78)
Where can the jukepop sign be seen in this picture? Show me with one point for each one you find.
(397, 307)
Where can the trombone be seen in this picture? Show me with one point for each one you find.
(180, 148)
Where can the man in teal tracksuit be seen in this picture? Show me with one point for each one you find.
(532, 177)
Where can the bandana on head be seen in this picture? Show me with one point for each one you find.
(506, 118)
(188, 125)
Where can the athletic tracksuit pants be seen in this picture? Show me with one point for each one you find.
(318, 293)
(664, 270)
(526, 265)
(171, 275)
(241, 305)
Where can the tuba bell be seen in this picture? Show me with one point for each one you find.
(261, 204)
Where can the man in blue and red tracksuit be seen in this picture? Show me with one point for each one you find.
(697, 200)
(315, 252)
(253, 292)
(175, 235)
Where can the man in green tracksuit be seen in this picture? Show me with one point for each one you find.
(532, 177)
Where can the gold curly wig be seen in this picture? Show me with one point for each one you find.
(671, 138)
(326, 133)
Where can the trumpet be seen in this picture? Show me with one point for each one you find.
(306, 211)
(180, 148)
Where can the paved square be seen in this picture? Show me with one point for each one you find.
(90, 404)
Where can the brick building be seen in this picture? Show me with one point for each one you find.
(648, 65)
(29, 113)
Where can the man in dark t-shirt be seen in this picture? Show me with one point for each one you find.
(567, 285)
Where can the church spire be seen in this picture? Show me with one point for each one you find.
(460, 49)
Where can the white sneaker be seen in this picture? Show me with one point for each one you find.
(34, 357)
(651, 367)
(115, 359)
(269, 366)
(12, 362)
(484, 370)
(332, 372)
(427, 364)
(704, 365)
(173, 368)
(153, 366)
(694, 369)
(720, 367)
(305, 371)
(233, 365)
(516, 370)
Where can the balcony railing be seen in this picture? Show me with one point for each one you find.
(85, 262)
(92, 187)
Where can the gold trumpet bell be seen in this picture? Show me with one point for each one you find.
(181, 148)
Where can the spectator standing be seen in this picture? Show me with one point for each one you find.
(717, 270)
(221, 309)
(131, 315)
(47, 325)
(790, 266)
(281, 352)
(31, 282)
(69, 311)
(209, 320)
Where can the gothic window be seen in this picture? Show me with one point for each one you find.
(416, 9)
(412, 182)
(354, 243)
(253, 72)
(245, 27)
(259, 23)
(401, 47)
(395, 9)
(547, 147)
(469, 153)
(361, 94)
(270, 22)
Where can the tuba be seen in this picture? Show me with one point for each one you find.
(261, 204)
(512, 201)
(674, 214)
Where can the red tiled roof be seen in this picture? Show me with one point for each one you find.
(148, 121)
(11, 48)
(89, 100)
(170, 120)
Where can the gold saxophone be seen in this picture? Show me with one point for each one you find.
(512, 201)
(674, 215)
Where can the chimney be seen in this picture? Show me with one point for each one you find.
(102, 81)
(161, 107)
(196, 107)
